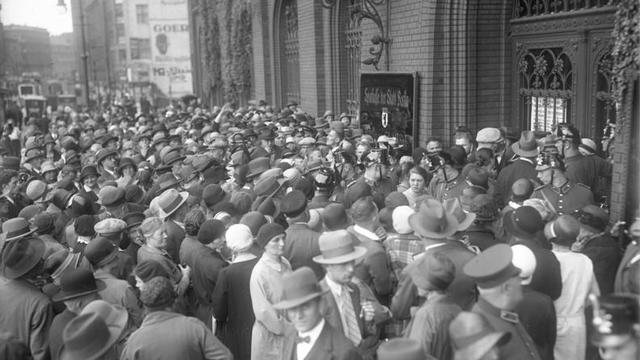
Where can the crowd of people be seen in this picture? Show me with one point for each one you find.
(263, 233)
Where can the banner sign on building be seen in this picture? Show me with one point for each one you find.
(170, 49)
(388, 103)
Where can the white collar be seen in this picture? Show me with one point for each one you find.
(366, 233)
(314, 333)
(335, 288)
(514, 205)
(526, 160)
(243, 257)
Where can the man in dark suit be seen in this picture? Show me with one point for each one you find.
(354, 315)
(523, 167)
(314, 338)
(301, 243)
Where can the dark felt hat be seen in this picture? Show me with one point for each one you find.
(258, 166)
(254, 220)
(492, 267)
(356, 190)
(100, 251)
(210, 230)
(76, 283)
(433, 221)
(293, 203)
(89, 170)
(267, 232)
(524, 222)
(432, 271)
(213, 194)
(401, 349)
(20, 256)
(133, 219)
(16, 228)
(335, 217)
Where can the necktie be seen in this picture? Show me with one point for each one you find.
(352, 330)
(303, 339)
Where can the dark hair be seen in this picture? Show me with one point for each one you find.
(6, 175)
(484, 156)
(193, 220)
(419, 171)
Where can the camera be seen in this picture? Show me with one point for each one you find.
(434, 162)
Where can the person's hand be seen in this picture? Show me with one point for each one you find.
(186, 270)
(615, 229)
(368, 311)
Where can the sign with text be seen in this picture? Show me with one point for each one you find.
(170, 47)
(388, 103)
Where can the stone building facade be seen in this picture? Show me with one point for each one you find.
(525, 64)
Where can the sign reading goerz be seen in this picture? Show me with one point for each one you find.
(170, 52)
(388, 103)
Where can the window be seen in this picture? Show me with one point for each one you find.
(546, 87)
(289, 52)
(119, 30)
(122, 55)
(119, 10)
(142, 14)
(140, 48)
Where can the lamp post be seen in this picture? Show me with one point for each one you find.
(62, 6)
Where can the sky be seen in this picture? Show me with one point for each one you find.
(40, 13)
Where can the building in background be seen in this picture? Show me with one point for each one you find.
(97, 19)
(522, 64)
(64, 64)
(144, 46)
(27, 54)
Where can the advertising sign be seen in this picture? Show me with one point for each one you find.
(170, 50)
(388, 103)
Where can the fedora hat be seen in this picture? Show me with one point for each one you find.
(170, 200)
(527, 146)
(172, 156)
(432, 271)
(258, 166)
(472, 336)
(523, 222)
(115, 316)
(88, 337)
(322, 122)
(299, 287)
(20, 256)
(133, 219)
(16, 228)
(76, 283)
(401, 349)
(464, 219)
(336, 247)
(433, 221)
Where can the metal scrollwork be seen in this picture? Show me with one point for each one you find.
(366, 9)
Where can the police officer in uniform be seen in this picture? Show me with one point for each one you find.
(561, 194)
(500, 291)
(447, 182)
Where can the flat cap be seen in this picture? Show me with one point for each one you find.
(492, 267)
(488, 135)
(109, 226)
